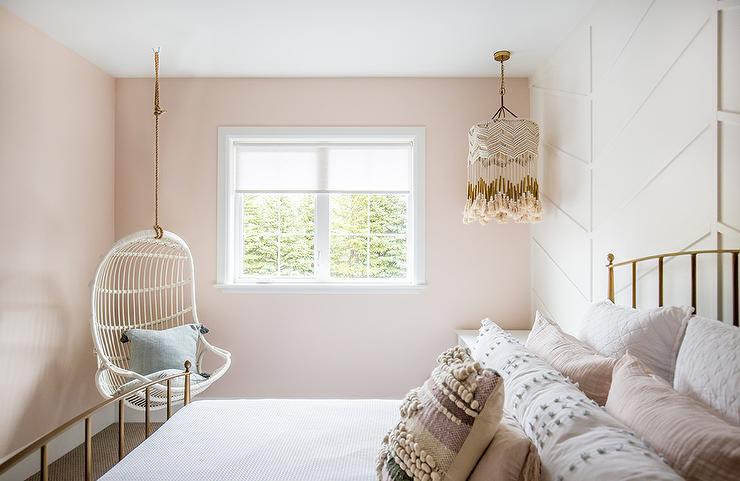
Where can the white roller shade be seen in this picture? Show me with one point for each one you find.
(324, 168)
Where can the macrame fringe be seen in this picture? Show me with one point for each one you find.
(502, 175)
(499, 198)
(503, 209)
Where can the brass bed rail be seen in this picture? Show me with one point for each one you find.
(41, 443)
(661, 260)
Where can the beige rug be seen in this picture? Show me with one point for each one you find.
(71, 466)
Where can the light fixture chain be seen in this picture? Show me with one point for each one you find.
(502, 90)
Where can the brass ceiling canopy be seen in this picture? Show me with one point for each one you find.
(502, 55)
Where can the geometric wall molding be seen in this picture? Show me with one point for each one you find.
(729, 167)
(666, 30)
(617, 21)
(565, 242)
(729, 94)
(567, 115)
(686, 181)
(556, 291)
(567, 183)
(661, 173)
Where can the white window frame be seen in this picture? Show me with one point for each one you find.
(229, 214)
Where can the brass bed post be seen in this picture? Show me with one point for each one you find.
(693, 281)
(735, 307)
(660, 282)
(169, 398)
(88, 450)
(634, 285)
(44, 465)
(121, 439)
(186, 395)
(147, 395)
(610, 265)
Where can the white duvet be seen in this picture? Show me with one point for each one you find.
(265, 439)
(577, 440)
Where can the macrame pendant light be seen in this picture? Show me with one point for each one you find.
(502, 166)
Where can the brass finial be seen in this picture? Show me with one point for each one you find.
(610, 258)
(187, 366)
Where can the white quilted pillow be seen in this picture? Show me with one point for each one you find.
(652, 335)
(708, 366)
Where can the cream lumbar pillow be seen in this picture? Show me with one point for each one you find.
(697, 444)
(572, 357)
(446, 424)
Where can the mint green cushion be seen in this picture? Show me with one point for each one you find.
(153, 351)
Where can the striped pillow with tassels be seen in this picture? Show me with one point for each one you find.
(446, 424)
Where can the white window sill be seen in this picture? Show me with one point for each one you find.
(277, 288)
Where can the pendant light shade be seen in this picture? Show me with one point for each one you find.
(502, 167)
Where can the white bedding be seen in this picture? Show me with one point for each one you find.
(264, 439)
(577, 439)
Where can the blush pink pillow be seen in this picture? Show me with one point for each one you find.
(697, 444)
(573, 358)
(511, 456)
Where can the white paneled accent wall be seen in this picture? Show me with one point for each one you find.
(640, 153)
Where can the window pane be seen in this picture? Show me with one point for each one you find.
(388, 213)
(279, 235)
(260, 255)
(349, 214)
(363, 214)
(297, 212)
(296, 256)
(388, 257)
(261, 213)
(348, 256)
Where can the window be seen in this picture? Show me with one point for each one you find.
(321, 209)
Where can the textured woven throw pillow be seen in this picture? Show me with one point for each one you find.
(446, 424)
(153, 351)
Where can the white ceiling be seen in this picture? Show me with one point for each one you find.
(306, 38)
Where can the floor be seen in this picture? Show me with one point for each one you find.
(71, 466)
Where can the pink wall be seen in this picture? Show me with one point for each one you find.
(56, 198)
(327, 345)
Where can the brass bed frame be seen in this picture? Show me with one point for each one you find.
(41, 443)
(661, 260)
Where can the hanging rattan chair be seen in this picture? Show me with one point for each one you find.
(145, 282)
